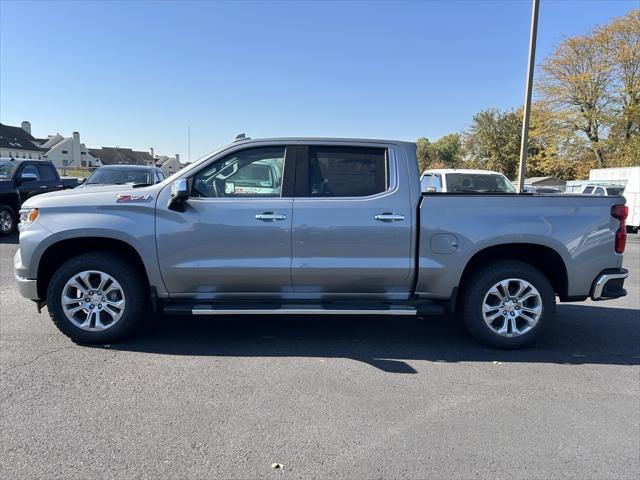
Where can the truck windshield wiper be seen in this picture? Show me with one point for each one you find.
(138, 185)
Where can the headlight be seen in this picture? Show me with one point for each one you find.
(28, 216)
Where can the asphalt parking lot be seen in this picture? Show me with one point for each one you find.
(323, 397)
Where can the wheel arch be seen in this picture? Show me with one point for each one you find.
(541, 257)
(58, 253)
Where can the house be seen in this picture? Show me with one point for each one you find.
(545, 182)
(169, 165)
(17, 142)
(121, 156)
(68, 152)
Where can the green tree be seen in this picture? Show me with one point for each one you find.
(446, 152)
(423, 152)
(493, 141)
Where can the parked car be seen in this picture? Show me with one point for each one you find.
(464, 181)
(594, 189)
(19, 181)
(123, 174)
(346, 231)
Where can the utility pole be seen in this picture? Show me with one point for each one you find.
(524, 145)
(189, 142)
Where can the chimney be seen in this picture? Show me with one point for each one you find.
(26, 126)
(151, 152)
(75, 149)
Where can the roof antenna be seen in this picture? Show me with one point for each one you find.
(241, 136)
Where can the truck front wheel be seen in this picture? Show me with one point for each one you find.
(96, 297)
(7, 220)
(508, 304)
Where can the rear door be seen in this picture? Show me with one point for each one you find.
(352, 223)
(49, 179)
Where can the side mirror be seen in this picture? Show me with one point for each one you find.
(28, 177)
(179, 195)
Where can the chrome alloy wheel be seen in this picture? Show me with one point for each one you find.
(6, 221)
(93, 300)
(512, 307)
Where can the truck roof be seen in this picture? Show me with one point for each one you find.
(461, 170)
(20, 160)
(320, 139)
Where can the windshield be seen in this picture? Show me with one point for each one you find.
(115, 176)
(478, 182)
(6, 170)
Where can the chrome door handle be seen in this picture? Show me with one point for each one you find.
(388, 217)
(270, 216)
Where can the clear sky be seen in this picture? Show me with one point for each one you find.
(136, 74)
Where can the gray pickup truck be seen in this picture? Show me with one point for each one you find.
(315, 226)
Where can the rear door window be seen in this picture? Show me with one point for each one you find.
(47, 173)
(344, 172)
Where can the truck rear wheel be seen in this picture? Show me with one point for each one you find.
(7, 220)
(96, 297)
(508, 304)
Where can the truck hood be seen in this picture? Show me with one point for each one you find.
(95, 196)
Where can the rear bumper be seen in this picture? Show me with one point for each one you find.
(609, 284)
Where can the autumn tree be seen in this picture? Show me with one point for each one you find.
(592, 83)
(576, 84)
(621, 39)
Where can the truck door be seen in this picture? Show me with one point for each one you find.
(234, 238)
(352, 223)
(28, 181)
(50, 181)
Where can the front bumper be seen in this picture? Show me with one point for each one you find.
(609, 284)
(27, 287)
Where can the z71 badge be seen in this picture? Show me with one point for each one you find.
(127, 197)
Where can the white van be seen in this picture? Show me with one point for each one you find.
(630, 178)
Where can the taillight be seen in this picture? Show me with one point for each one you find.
(620, 212)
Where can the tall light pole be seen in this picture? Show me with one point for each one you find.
(524, 144)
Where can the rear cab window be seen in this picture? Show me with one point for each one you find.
(478, 182)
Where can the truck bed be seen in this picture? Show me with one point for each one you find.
(456, 227)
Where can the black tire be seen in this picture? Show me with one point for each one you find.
(483, 280)
(7, 213)
(133, 287)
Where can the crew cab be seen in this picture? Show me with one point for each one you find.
(21, 180)
(302, 226)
